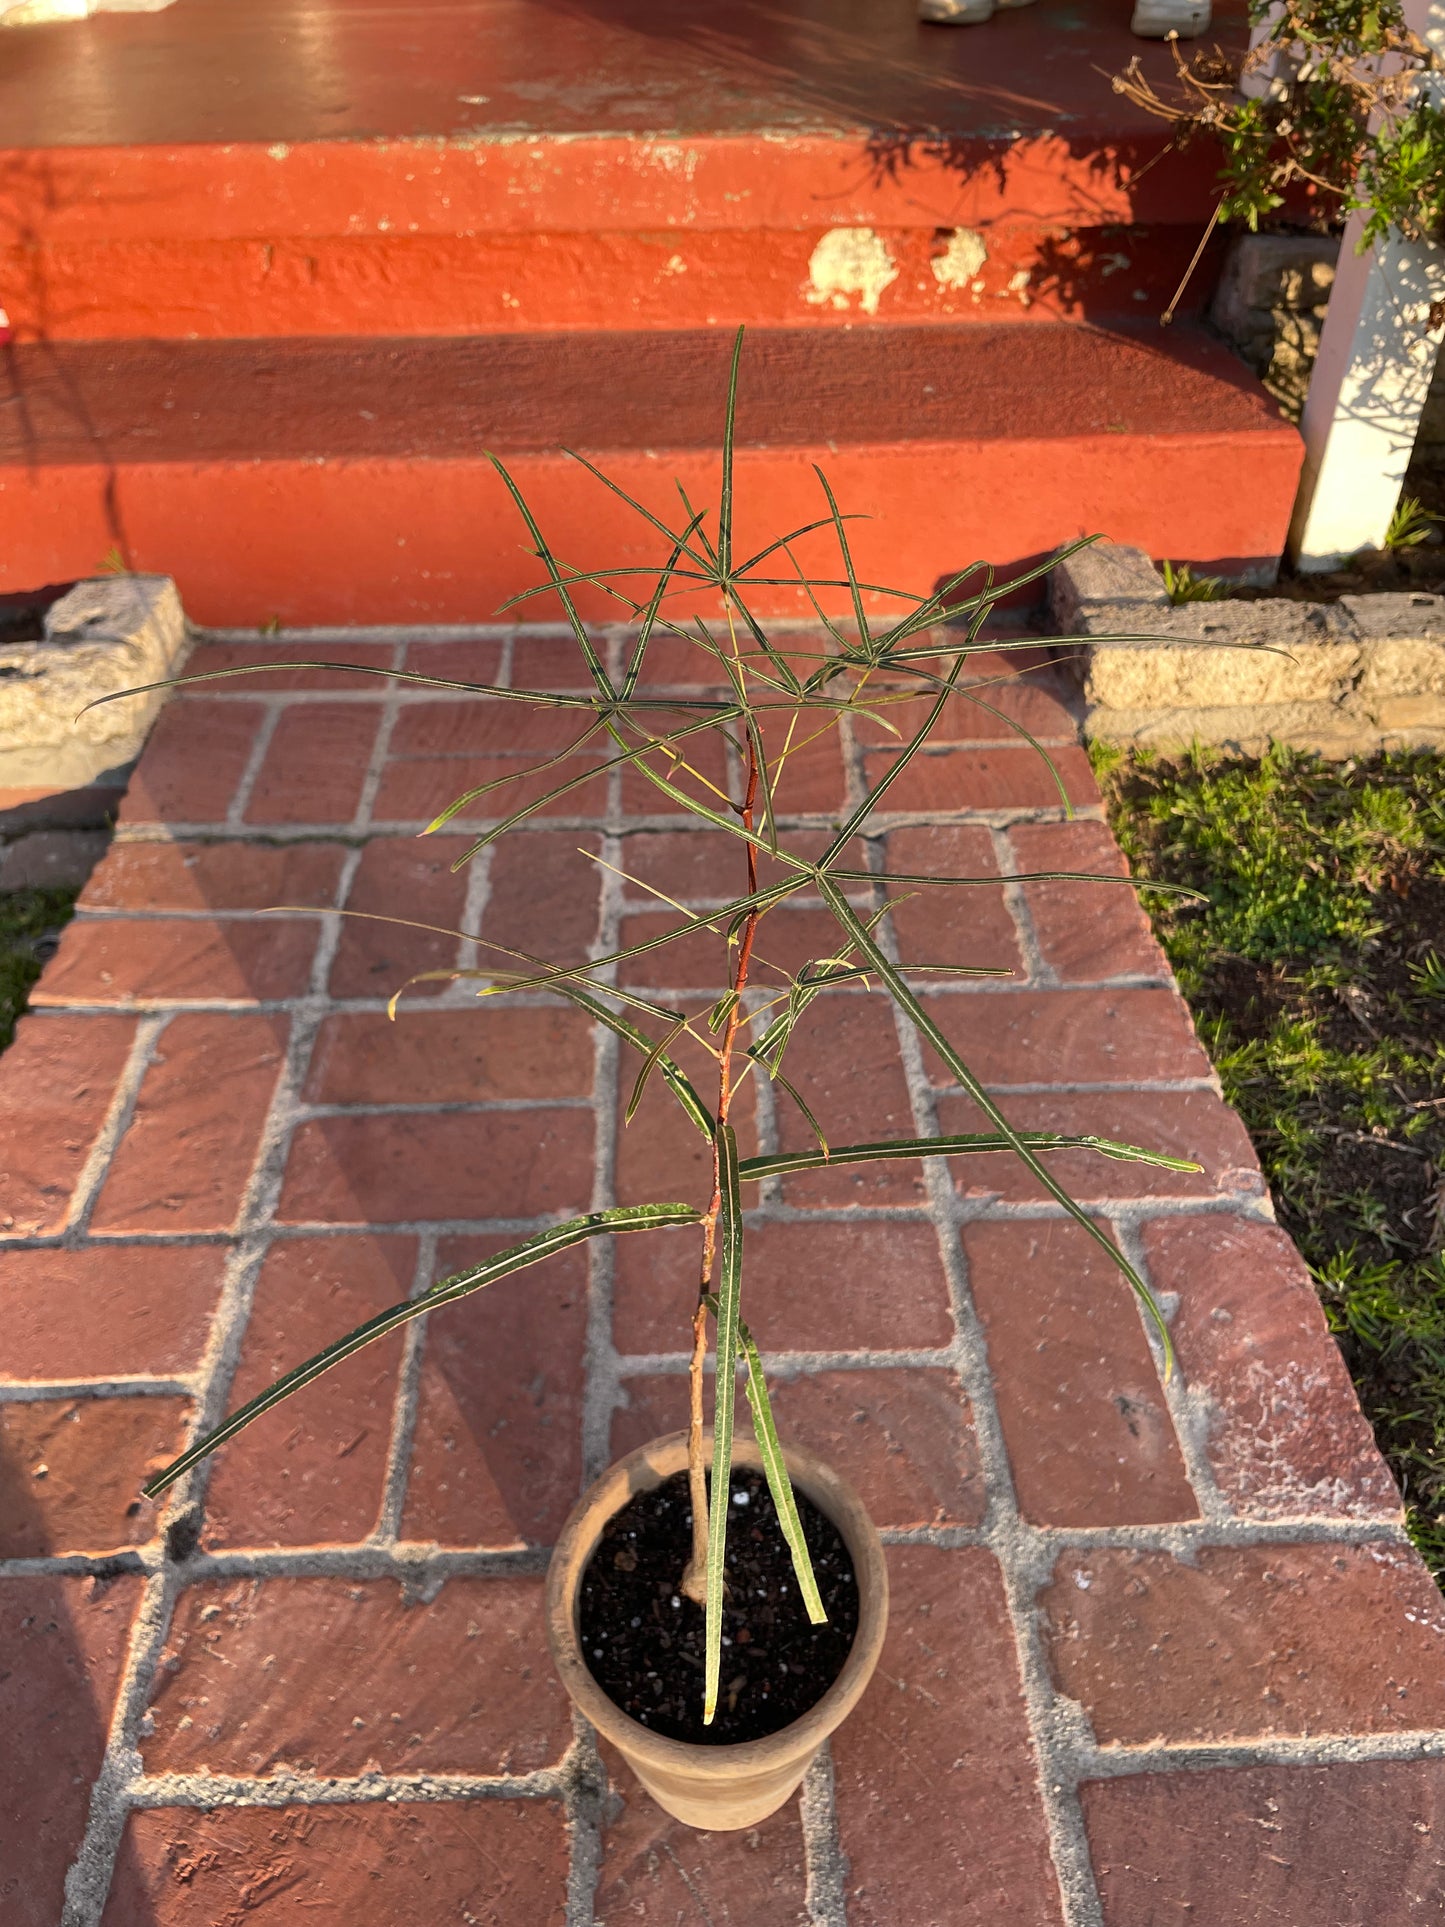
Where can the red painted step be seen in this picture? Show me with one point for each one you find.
(345, 481)
(480, 166)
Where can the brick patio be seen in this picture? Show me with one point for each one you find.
(1158, 1654)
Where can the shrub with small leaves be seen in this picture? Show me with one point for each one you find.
(1335, 119)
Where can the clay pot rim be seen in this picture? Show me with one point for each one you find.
(639, 1471)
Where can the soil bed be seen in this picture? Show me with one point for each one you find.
(643, 1641)
(1316, 974)
(1371, 572)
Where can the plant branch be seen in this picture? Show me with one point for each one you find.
(694, 1579)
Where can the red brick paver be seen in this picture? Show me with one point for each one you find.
(1159, 1652)
(485, 1860)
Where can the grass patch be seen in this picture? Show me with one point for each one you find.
(30, 924)
(1316, 973)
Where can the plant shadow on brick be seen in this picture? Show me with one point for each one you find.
(867, 666)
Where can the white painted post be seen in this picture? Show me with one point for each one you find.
(1371, 377)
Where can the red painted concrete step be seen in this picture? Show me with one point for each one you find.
(326, 481)
(480, 166)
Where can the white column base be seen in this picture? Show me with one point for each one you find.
(1157, 19)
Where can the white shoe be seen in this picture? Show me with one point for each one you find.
(955, 13)
(1157, 19)
(37, 13)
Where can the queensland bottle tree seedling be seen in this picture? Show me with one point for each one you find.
(774, 693)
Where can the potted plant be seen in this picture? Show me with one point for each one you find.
(737, 1544)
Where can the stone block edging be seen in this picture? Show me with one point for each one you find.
(1345, 678)
(102, 635)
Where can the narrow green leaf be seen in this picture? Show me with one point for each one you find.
(765, 785)
(1021, 876)
(702, 535)
(891, 775)
(704, 562)
(971, 696)
(952, 970)
(649, 1065)
(637, 1217)
(793, 535)
(775, 1467)
(604, 579)
(674, 1077)
(774, 1039)
(551, 977)
(459, 803)
(559, 582)
(924, 1024)
(459, 974)
(819, 677)
(812, 1123)
(725, 500)
(837, 582)
(499, 830)
(765, 1431)
(547, 698)
(721, 1011)
(759, 635)
(650, 614)
(695, 807)
(865, 641)
(730, 1222)
(939, 607)
(995, 592)
(782, 1164)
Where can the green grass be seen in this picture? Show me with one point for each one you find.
(1181, 584)
(28, 922)
(1410, 525)
(1316, 977)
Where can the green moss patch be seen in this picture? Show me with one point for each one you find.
(30, 924)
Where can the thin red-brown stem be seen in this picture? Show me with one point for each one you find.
(694, 1579)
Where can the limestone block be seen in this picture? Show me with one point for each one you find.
(1244, 728)
(112, 633)
(1365, 673)
(1409, 712)
(1216, 654)
(1403, 667)
(1105, 575)
(1404, 638)
(1412, 613)
(1351, 729)
(1266, 273)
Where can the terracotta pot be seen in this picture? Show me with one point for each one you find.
(715, 1787)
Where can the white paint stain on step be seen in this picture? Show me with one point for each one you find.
(961, 258)
(850, 261)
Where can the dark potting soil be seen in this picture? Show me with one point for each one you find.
(643, 1640)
